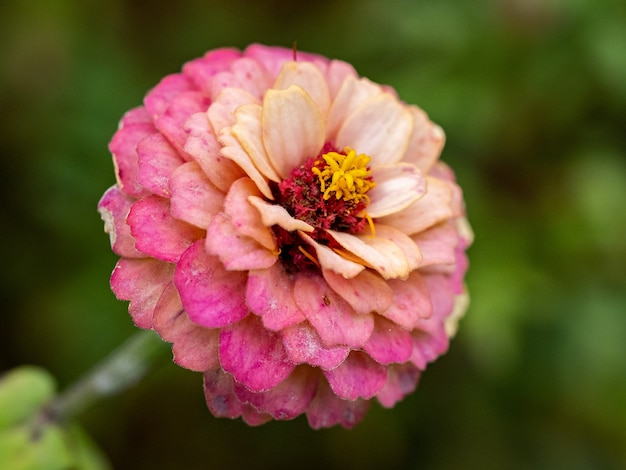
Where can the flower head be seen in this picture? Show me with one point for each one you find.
(288, 226)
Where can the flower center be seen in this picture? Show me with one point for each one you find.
(329, 192)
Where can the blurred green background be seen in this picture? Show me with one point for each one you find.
(532, 96)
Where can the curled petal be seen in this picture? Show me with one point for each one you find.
(236, 251)
(248, 131)
(272, 214)
(114, 207)
(203, 147)
(378, 121)
(293, 128)
(195, 348)
(327, 409)
(157, 233)
(281, 402)
(358, 376)
(255, 356)
(195, 199)
(304, 346)
(397, 187)
(331, 261)
(269, 294)
(334, 320)
(381, 254)
(142, 281)
(308, 77)
(212, 296)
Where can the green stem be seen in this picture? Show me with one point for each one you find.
(122, 369)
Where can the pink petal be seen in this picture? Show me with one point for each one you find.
(273, 58)
(304, 346)
(157, 233)
(179, 110)
(380, 128)
(123, 146)
(338, 71)
(157, 160)
(402, 379)
(254, 355)
(195, 199)
(142, 281)
(222, 401)
(411, 301)
(114, 207)
(308, 77)
(358, 376)
(288, 399)
(397, 187)
(381, 254)
(438, 204)
(212, 296)
(201, 71)
(159, 98)
(327, 409)
(221, 113)
(437, 244)
(194, 347)
(389, 343)
(293, 128)
(203, 146)
(366, 293)
(244, 74)
(331, 316)
(273, 214)
(236, 251)
(245, 216)
(269, 294)
(427, 140)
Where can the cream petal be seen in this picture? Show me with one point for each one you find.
(397, 187)
(248, 132)
(380, 127)
(438, 204)
(308, 77)
(293, 128)
(329, 260)
(381, 254)
(233, 150)
(221, 113)
(426, 143)
(352, 93)
(338, 71)
(407, 245)
(272, 214)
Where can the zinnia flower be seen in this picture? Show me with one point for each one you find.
(287, 225)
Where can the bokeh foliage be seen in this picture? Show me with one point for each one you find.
(532, 96)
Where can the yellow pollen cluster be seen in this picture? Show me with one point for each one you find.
(345, 175)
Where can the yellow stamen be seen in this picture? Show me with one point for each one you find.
(308, 255)
(345, 175)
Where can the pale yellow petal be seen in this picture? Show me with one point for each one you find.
(330, 260)
(250, 135)
(397, 187)
(380, 127)
(426, 142)
(293, 128)
(308, 77)
(221, 113)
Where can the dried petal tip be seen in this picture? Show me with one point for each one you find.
(288, 226)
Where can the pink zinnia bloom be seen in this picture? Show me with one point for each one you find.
(288, 226)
